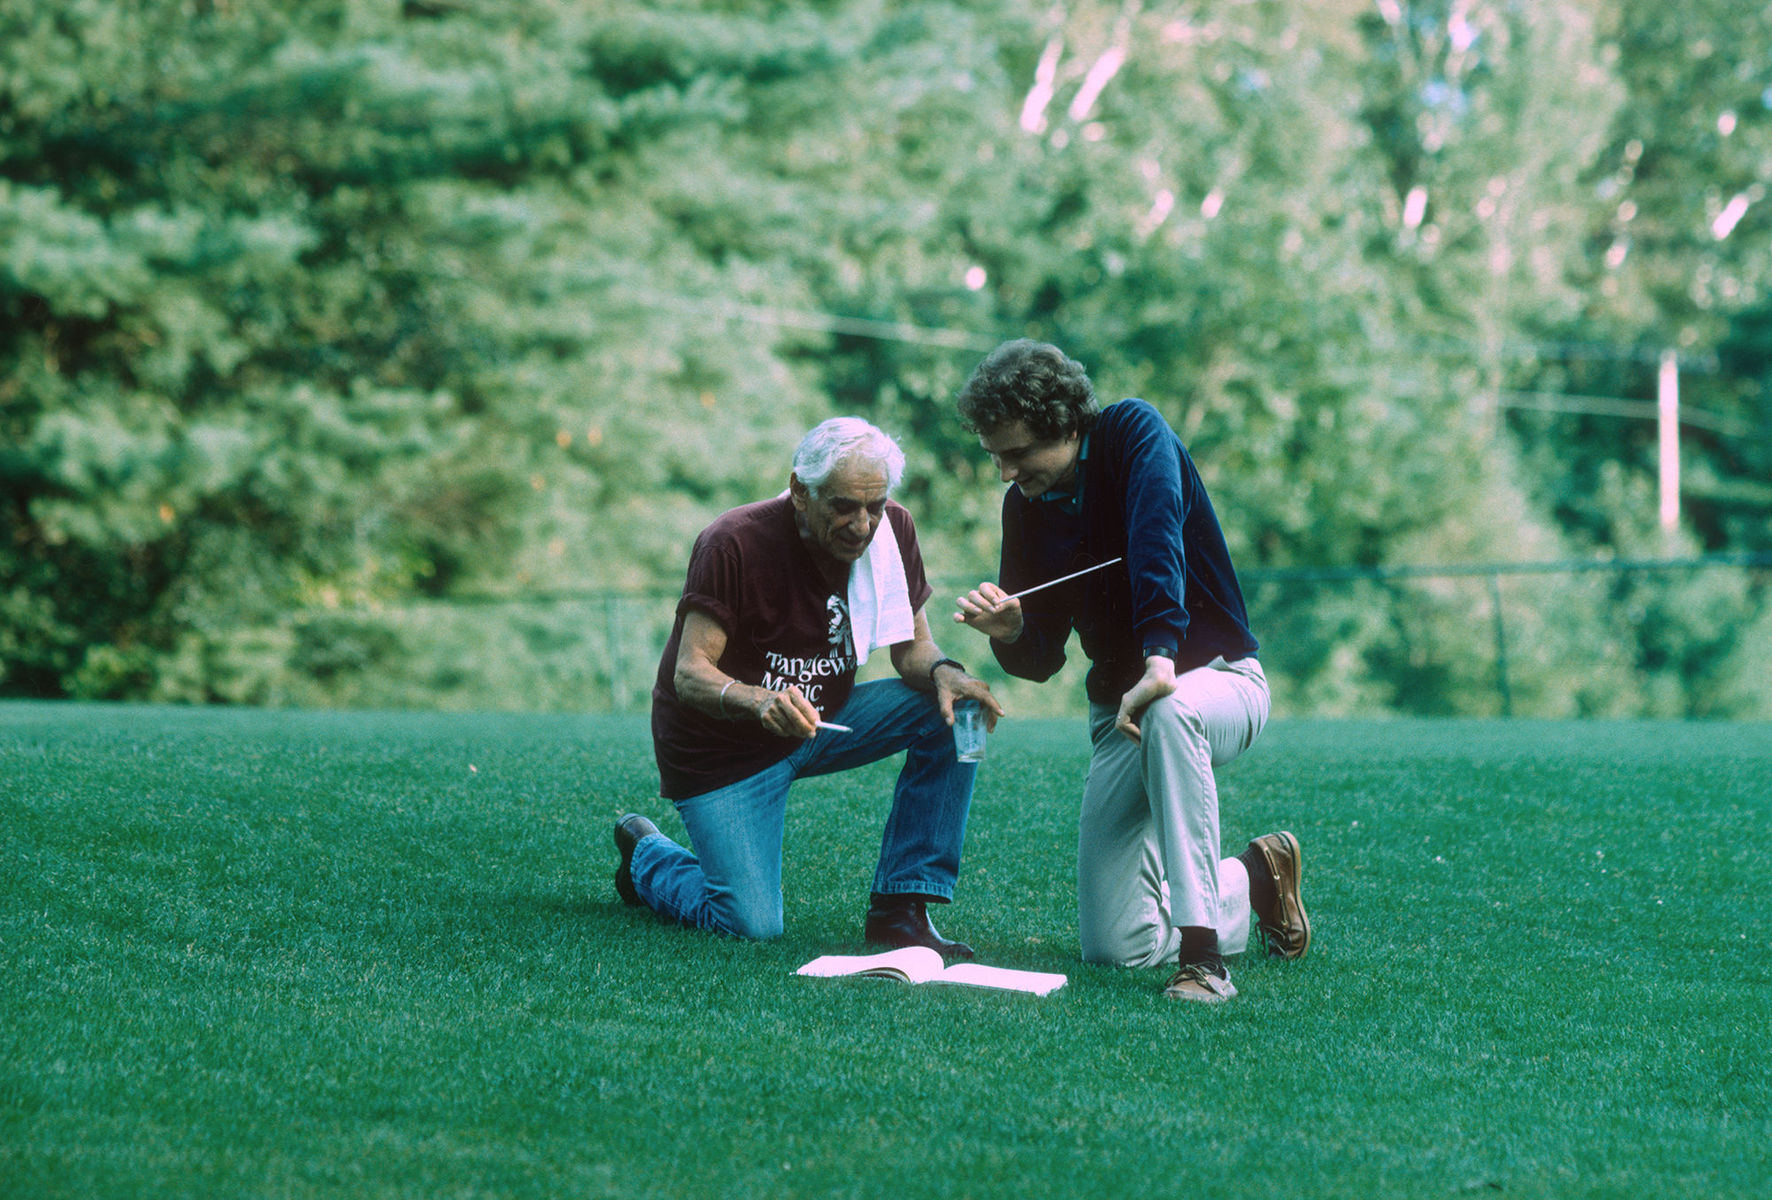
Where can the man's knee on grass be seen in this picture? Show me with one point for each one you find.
(756, 921)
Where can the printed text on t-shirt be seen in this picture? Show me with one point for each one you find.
(784, 672)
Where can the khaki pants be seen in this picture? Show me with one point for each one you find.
(1147, 842)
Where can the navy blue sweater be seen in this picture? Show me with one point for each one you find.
(1142, 500)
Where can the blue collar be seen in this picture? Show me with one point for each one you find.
(1071, 501)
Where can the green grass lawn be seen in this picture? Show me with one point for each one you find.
(249, 953)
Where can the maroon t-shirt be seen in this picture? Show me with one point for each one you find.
(784, 625)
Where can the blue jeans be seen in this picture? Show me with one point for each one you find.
(733, 882)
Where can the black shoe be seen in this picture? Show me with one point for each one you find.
(904, 921)
(628, 832)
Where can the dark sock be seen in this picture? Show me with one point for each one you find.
(1200, 945)
(898, 900)
(1261, 881)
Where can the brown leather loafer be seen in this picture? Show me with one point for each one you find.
(1284, 925)
(1201, 984)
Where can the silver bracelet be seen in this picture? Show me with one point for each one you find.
(723, 692)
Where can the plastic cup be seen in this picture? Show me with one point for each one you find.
(969, 731)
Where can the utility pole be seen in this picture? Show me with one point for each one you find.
(1667, 414)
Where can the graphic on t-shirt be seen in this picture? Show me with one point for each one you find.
(841, 633)
(808, 673)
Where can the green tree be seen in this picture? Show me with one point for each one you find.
(316, 319)
(306, 310)
(1306, 235)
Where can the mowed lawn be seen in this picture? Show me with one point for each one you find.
(268, 954)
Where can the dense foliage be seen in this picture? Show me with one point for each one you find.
(317, 319)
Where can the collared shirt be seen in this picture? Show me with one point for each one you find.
(1071, 501)
(1142, 500)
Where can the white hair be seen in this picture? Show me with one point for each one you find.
(840, 439)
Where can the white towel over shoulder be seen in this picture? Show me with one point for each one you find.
(879, 595)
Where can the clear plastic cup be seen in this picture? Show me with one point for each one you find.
(968, 731)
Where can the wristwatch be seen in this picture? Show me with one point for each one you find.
(1159, 652)
(946, 662)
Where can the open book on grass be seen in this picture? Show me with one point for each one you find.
(919, 964)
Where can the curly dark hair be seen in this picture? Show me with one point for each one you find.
(1033, 382)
